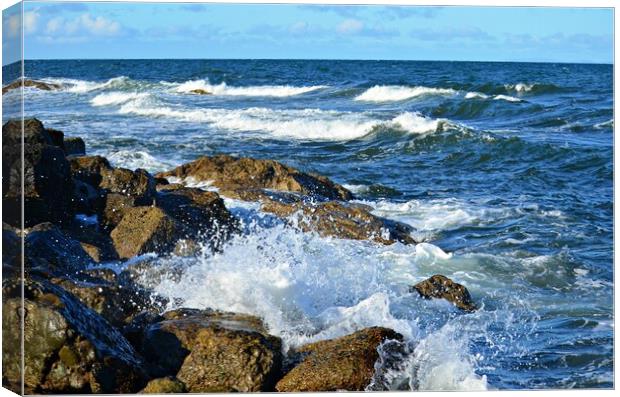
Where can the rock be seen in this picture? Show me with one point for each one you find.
(88, 169)
(230, 173)
(96, 244)
(113, 209)
(137, 184)
(68, 347)
(48, 250)
(200, 91)
(346, 363)
(30, 83)
(87, 199)
(341, 220)
(74, 146)
(11, 250)
(48, 187)
(164, 385)
(202, 214)
(149, 273)
(145, 229)
(214, 352)
(442, 287)
(114, 302)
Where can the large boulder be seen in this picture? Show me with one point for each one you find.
(48, 186)
(211, 351)
(145, 229)
(88, 169)
(341, 220)
(30, 83)
(68, 348)
(48, 250)
(230, 173)
(74, 146)
(164, 385)
(346, 363)
(441, 287)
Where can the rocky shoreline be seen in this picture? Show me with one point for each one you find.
(89, 329)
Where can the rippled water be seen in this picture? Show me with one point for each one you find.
(505, 169)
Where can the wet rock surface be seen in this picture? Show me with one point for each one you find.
(441, 287)
(346, 363)
(230, 173)
(68, 347)
(164, 385)
(30, 83)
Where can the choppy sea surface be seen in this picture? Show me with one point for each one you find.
(504, 169)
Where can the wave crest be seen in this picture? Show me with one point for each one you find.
(261, 90)
(388, 93)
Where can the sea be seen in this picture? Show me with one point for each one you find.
(505, 170)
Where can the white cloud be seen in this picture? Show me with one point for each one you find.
(83, 25)
(31, 19)
(349, 26)
(13, 26)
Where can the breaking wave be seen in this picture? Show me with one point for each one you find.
(261, 90)
(387, 93)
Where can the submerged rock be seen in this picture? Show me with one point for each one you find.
(68, 347)
(212, 351)
(30, 83)
(442, 287)
(200, 91)
(47, 183)
(342, 220)
(230, 173)
(346, 363)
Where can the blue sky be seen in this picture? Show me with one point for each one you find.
(139, 30)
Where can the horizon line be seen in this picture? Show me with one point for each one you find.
(307, 59)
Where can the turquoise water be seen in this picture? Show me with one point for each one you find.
(505, 170)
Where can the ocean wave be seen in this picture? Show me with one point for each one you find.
(388, 93)
(84, 86)
(507, 98)
(476, 95)
(133, 159)
(261, 90)
(532, 88)
(609, 124)
(116, 98)
(313, 124)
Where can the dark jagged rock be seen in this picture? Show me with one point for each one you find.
(230, 173)
(48, 187)
(164, 385)
(49, 250)
(11, 251)
(342, 220)
(346, 363)
(89, 169)
(30, 83)
(68, 347)
(212, 351)
(74, 146)
(98, 245)
(202, 214)
(442, 287)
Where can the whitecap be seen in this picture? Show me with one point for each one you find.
(388, 93)
(262, 90)
(116, 98)
(476, 95)
(507, 98)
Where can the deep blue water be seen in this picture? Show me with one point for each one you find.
(505, 168)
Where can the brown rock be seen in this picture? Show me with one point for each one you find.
(30, 83)
(137, 184)
(164, 385)
(442, 287)
(346, 363)
(89, 168)
(341, 220)
(145, 229)
(230, 173)
(68, 348)
(200, 91)
(214, 351)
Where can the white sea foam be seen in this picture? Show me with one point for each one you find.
(521, 87)
(133, 159)
(83, 86)
(263, 90)
(116, 98)
(388, 93)
(507, 98)
(604, 125)
(314, 124)
(476, 95)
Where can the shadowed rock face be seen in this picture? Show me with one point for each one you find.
(442, 287)
(30, 83)
(213, 351)
(68, 347)
(346, 363)
(48, 187)
(230, 173)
